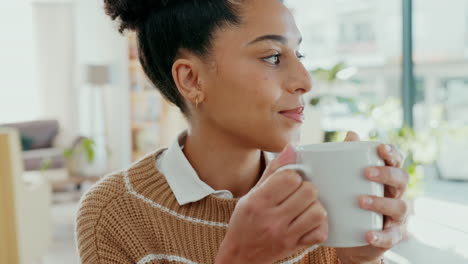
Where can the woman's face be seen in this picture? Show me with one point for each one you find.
(254, 77)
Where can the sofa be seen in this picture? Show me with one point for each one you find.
(37, 144)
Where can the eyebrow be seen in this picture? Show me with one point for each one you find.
(278, 38)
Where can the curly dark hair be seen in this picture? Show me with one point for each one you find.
(164, 27)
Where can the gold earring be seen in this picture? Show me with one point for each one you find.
(196, 102)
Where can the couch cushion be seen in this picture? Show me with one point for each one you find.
(42, 132)
(26, 142)
(33, 159)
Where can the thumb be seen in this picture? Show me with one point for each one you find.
(287, 156)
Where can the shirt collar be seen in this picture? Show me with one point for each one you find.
(182, 177)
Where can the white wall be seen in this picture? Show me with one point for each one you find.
(54, 36)
(18, 87)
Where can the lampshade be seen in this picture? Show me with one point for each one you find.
(97, 74)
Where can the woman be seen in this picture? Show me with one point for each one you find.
(233, 68)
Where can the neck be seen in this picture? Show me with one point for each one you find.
(221, 163)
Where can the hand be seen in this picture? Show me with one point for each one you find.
(391, 206)
(279, 216)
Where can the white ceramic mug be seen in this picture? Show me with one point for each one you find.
(337, 170)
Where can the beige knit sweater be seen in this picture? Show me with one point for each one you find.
(133, 217)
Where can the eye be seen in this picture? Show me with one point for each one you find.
(300, 56)
(274, 59)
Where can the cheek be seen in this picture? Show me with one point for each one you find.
(245, 98)
(245, 102)
(263, 84)
(264, 88)
(261, 95)
(250, 87)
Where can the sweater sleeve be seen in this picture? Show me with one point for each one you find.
(94, 242)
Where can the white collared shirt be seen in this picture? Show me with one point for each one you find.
(182, 177)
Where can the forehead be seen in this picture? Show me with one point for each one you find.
(262, 17)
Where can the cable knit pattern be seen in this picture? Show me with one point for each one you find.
(132, 216)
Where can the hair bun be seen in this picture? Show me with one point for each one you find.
(131, 13)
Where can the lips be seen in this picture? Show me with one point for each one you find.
(296, 114)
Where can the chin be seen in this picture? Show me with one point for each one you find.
(279, 141)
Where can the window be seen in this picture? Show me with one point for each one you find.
(356, 32)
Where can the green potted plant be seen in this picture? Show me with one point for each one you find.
(80, 154)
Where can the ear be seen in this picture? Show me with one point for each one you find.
(186, 74)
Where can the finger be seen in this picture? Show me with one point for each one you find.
(314, 216)
(391, 155)
(390, 176)
(287, 156)
(299, 201)
(385, 239)
(352, 136)
(278, 187)
(314, 237)
(396, 209)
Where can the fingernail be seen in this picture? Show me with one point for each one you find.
(367, 201)
(388, 148)
(373, 173)
(375, 237)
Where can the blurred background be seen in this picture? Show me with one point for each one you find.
(75, 105)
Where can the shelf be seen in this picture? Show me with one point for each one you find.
(154, 122)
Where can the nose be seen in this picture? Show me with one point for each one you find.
(299, 79)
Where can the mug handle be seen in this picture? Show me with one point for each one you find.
(305, 171)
